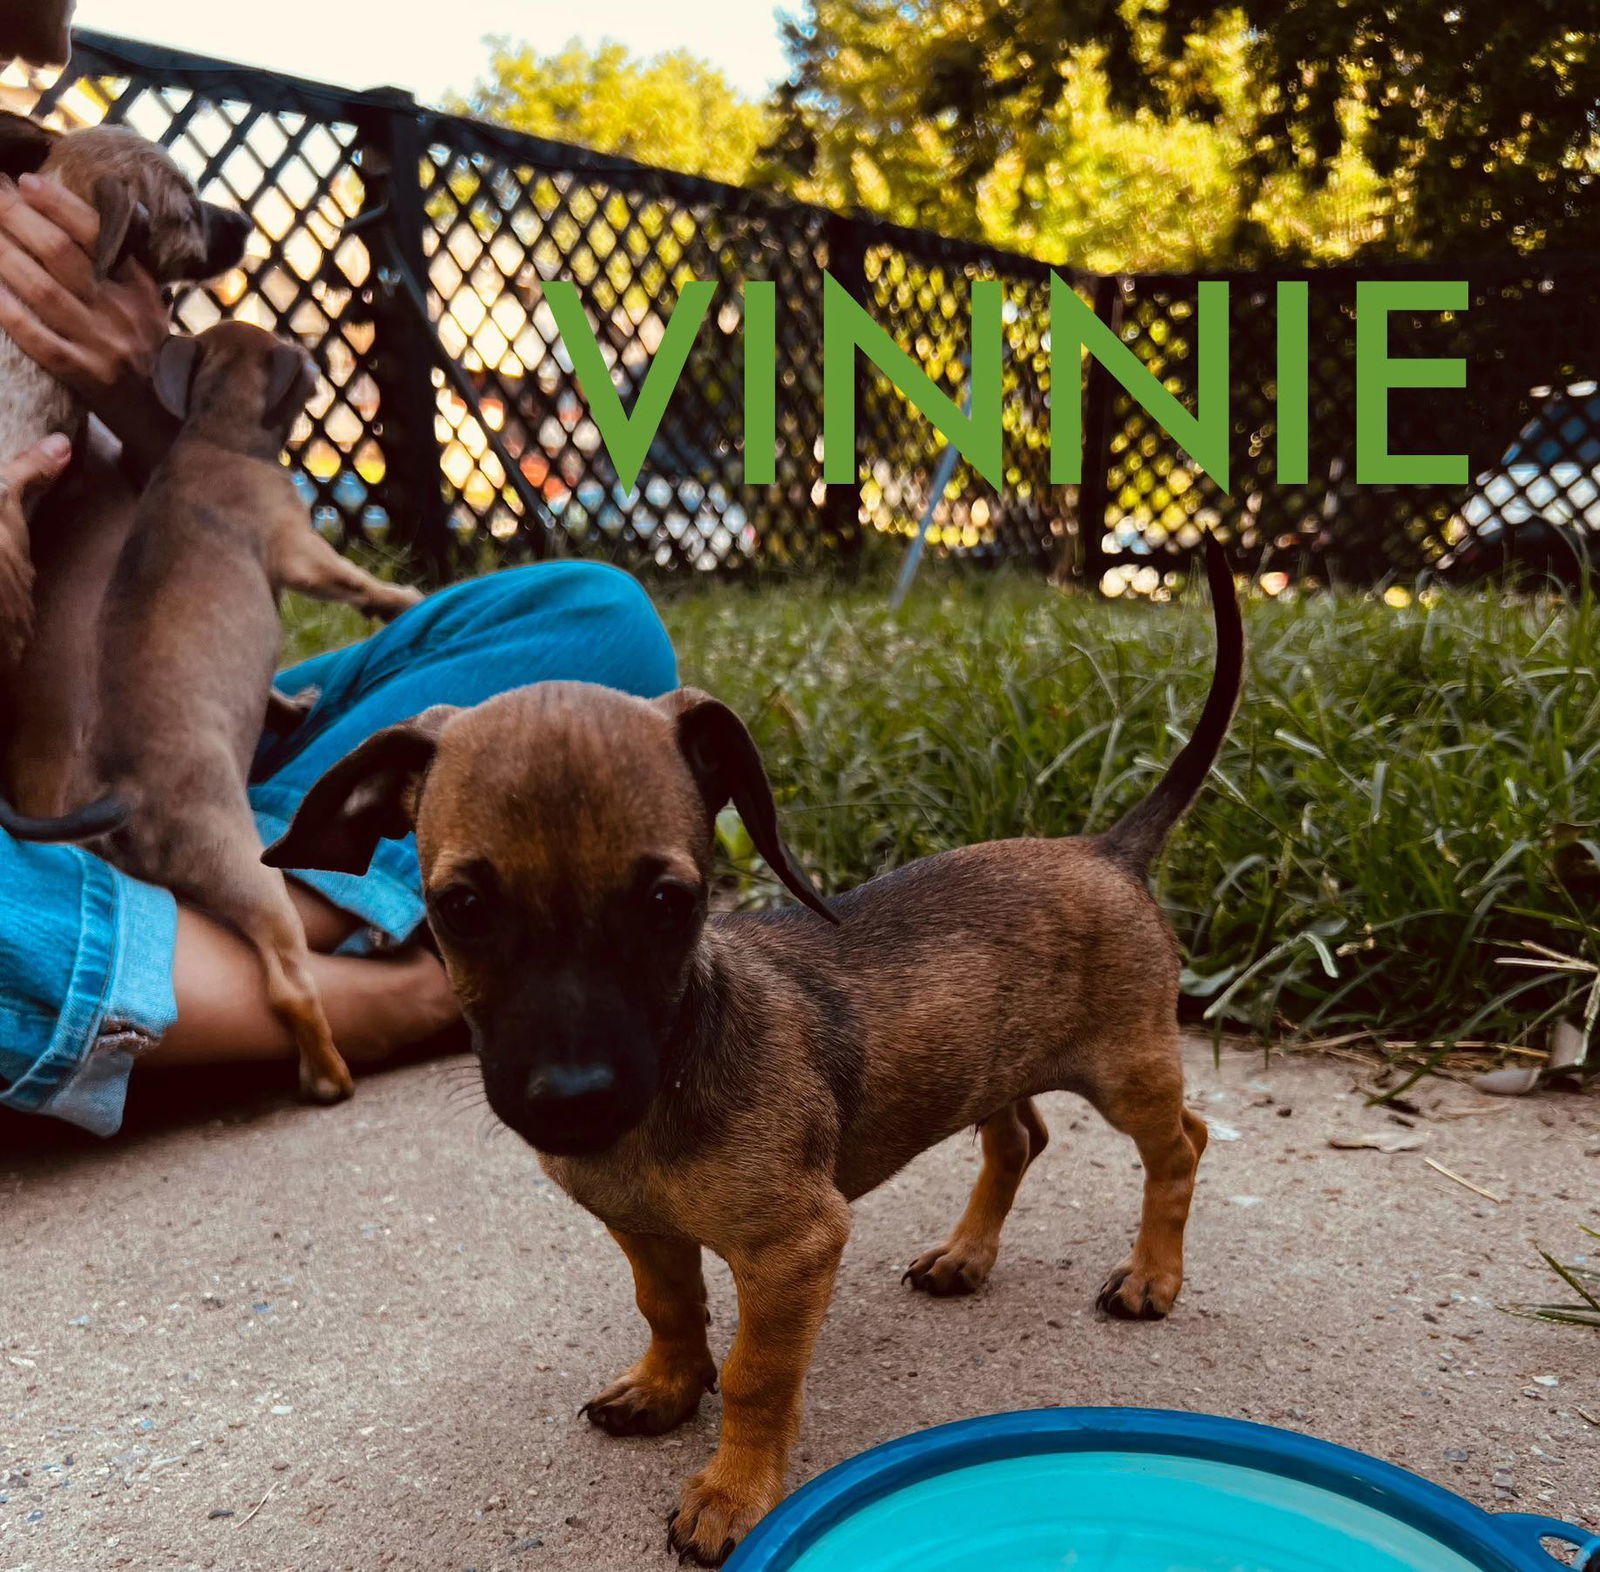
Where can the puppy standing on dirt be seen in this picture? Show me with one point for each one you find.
(735, 1082)
(190, 640)
(148, 210)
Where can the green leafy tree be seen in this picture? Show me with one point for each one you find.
(879, 114)
(673, 110)
(1303, 127)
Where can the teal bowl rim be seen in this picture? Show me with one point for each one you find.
(1494, 1542)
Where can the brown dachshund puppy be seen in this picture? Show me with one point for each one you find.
(190, 641)
(735, 1081)
(149, 211)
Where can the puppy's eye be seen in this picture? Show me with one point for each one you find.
(672, 905)
(460, 913)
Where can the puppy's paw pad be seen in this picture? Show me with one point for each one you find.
(948, 1272)
(714, 1518)
(326, 1086)
(1132, 1296)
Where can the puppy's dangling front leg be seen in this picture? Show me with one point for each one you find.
(304, 561)
(664, 1389)
(274, 928)
(256, 901)
(784, 1287)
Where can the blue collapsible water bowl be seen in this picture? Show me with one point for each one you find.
(1139, 1490)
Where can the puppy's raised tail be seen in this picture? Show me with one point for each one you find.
(85, 824)
(1137, 837)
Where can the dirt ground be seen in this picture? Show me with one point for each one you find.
(287, 1340)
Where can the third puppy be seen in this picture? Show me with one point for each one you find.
(190, 640)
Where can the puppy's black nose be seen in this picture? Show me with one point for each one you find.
(571, 1091)
(227, 232)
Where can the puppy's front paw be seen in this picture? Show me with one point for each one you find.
(1130, 1294)
(719, 1508)
(325, 1084)
(387, 601)
(953, 1269)
(649, 1401)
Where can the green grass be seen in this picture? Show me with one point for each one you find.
(1378, 840)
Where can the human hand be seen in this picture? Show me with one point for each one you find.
(18, 477)
(97, 336)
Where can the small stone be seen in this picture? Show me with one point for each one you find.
(217, 1512)
(1456, 1455)
(527, 1544)
(1547, 1380)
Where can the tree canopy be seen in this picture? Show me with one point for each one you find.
(1299, 127)
(1131, 134)
(673, 110)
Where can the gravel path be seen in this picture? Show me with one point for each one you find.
(289, 1340)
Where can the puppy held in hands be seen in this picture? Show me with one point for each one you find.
(189, 643)
(735, 1081)
(148, 211)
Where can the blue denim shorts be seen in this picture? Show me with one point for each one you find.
(86, 953)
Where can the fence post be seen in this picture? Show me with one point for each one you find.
(1094, 493)
(841, 507)
(391, 148)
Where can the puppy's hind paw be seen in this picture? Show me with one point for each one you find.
(950, 1271)
(1131, 1295)
(643, 1404)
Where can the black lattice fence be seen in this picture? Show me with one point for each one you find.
(1528, 421)
(408, 249)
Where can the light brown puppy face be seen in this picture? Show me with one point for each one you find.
(565, 836)
(235, 374)
(148, 208)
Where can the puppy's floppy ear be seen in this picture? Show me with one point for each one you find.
(124, 225)
(370, 795)
(291, 380)
(174, 373)
(723, 758)
(24, 144)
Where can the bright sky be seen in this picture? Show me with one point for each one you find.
(436, 46)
